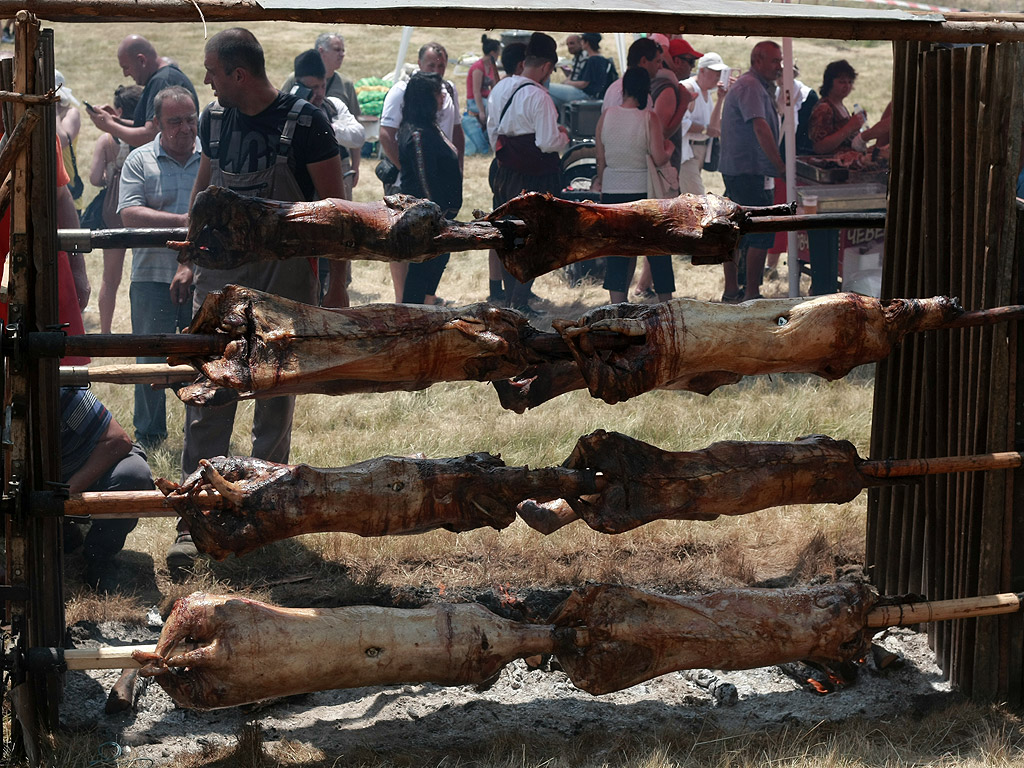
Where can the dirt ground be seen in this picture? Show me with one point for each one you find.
(530, 703)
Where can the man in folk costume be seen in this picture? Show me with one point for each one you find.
(522, 126)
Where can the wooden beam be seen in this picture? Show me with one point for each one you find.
(753, 20)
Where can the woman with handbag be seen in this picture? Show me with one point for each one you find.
(108, 156)
(430, 171)
(632, 164)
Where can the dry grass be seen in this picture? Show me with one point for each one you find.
(775, 546)
(961, 735)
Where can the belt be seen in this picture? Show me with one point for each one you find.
(700, 141)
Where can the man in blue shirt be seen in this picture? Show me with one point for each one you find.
(156, 184)
(750, 158)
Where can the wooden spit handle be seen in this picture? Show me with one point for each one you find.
(118, 504)
(133, 373)
(940, 466)
(943, 610)
(988, 316)
(106, 657)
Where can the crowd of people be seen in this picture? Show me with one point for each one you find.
(675, 114)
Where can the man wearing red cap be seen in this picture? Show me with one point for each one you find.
(682, 57)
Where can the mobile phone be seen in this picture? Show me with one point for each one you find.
(723, 78)
(88, 106)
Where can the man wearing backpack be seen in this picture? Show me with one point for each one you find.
(261, 143)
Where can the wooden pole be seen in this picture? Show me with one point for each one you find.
(107, 657)
(724, 19)
(135, 373)
(988, 316)
(943, 610)
(19, 141)
(813, 221)
(940, 466)
(118, 504)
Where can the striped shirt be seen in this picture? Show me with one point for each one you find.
(83, 421)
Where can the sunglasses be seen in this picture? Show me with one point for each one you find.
(688, 59)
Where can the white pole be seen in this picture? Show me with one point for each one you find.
(403, 49)
(620, 43)
(790, 128)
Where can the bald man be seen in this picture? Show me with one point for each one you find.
(139, 61)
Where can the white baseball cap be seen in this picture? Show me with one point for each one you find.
(67, 98)
(711, 60)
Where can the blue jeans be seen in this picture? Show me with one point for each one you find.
(562, 94)
(153, 312)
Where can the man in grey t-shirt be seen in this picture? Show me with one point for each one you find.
(156, 183)
(750, 158)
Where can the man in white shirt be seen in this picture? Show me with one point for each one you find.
(523, 129)
(432, 58)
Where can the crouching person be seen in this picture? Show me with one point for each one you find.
(98, 455)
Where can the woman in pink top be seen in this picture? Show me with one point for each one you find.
(483, 74)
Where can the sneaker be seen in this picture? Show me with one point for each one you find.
(181, 555)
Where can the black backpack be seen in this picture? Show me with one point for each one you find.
(804, 145)
(611, 75)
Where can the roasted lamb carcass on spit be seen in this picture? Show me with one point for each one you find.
(260, 502)
(623, 350)
(611, 481)
(562, 232)
(239, 651)
(277, 346)
(606, 637)
(533, 233)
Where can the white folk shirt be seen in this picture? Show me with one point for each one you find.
(532, 111)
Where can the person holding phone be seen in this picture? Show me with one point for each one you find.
(139, 60)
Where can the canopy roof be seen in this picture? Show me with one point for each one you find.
(711, 17)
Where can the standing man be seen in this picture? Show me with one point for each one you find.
(260, 142)
(348, 132)
(522, 126)
(432, 58)
(156, 185)
(331, 47)
(703, 120)
(350, 135)
(139, 60)
(750, 158)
